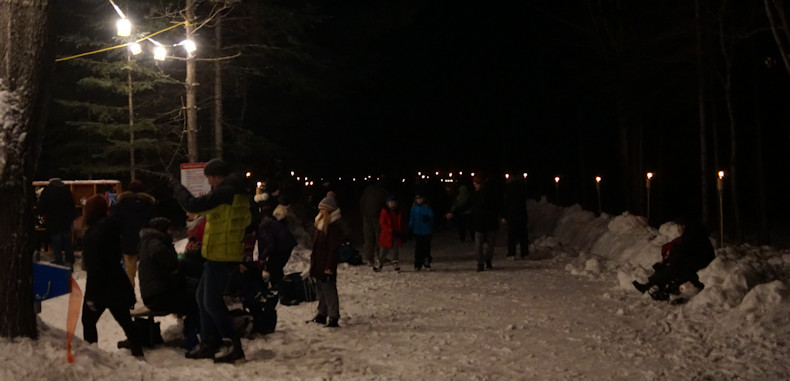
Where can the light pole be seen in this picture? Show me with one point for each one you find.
(720, 188)
(190, 84)
(557, 188)
(598, 191)
(647, 185)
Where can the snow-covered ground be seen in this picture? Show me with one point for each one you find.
(569, 312)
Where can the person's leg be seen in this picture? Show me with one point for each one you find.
(322, 306)
(419, 253)
(68, 248)
(512, 238)
(428, 257)
(332, 300)
(395, 256)
(90, 316)
(490, 238)
(369, 237)
(524, 239)
(130, 263)
(460, 221)
(122, 315)
(56, 240)
(216, 275)
(479, 240)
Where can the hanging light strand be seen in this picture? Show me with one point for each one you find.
(122, 45)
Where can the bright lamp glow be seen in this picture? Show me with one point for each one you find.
(507, 176)
(135, 48)
(721, 175)
(124, 27)
(557, 179)
(597, 179)
(525, 175)
(188, 45)
(649, 175)
(160, 53)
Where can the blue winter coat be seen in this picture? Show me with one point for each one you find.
(421, 219)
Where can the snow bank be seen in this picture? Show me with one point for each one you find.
(745, 286)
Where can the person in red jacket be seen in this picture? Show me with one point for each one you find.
(391, 233)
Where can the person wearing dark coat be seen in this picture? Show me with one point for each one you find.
(106, 286)
(162, 287)
(228, 215)
(684, 257)
(516, 217)
(370, 204)
(323, 261)
(56, 204)
(133, 209)
(484, 207)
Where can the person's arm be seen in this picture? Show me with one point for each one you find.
(200, 204)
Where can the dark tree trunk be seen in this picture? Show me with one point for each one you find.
(26, 63)
(703, 122)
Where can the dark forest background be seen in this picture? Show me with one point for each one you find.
(570, 88)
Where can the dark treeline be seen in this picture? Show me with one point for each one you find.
(572, 88)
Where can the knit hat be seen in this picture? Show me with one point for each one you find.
(95, 209)
(135, 186)
(328, 203)
(216, 167)
(159, 223)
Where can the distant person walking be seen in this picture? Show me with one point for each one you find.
(370, 204)
(421, 222)
(484, 208)
(56, 204)
(516, 217)
(460, 212)
(391, 237)
(227, 211)
(133, 209)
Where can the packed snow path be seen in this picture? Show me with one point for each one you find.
(526, 319)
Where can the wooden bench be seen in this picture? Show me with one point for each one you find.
(144, 319)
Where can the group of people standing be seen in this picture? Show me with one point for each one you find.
(478, 214)
(218, 257)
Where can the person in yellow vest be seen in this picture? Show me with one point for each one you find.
(227, 211)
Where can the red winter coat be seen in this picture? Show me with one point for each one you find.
(391, 228)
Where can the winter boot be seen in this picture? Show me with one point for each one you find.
(332, 323)
(320, 319)
(137, 350)
(236, 352)
(479, 267)
(204, 350)
(488, 264)
(641, 287)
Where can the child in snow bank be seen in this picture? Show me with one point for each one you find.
(391, 232)
(323, 261)
(421, 220)
(681, 259)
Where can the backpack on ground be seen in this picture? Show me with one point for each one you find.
(348, 254)
(294, 289)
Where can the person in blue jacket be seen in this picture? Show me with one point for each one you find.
(421, 221)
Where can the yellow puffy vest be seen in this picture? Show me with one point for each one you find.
(225, 225)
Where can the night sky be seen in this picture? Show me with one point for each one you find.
(570, 88)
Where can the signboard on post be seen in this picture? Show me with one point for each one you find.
(194, 180)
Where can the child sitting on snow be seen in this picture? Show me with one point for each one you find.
(681, 259)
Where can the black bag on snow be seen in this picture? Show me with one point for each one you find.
(294, 289)
(348, 254)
